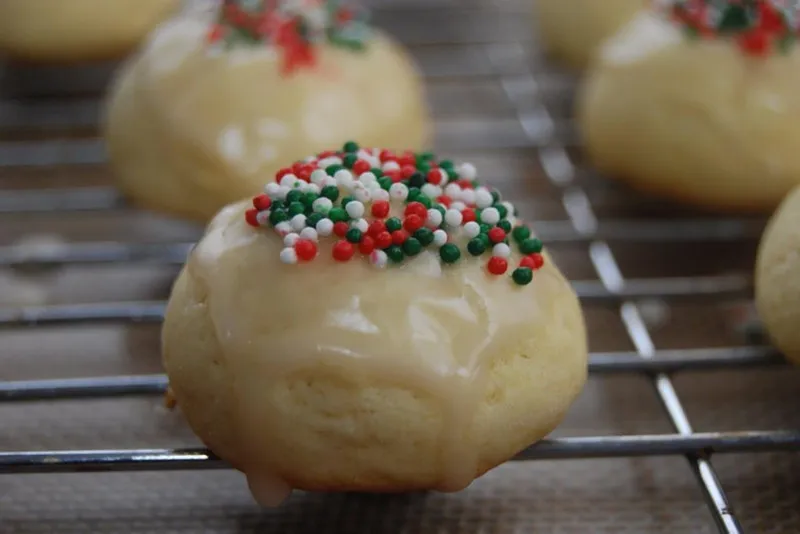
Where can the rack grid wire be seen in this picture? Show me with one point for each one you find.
(82, 305)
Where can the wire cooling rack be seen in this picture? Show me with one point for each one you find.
(498, 103)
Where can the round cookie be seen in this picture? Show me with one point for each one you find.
(709, 116)
(360, 331)
(573, 31)
(208, 108)
(777, 277)
(77, 30)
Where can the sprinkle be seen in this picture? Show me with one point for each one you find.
(298, 222)
(530, 246)
(309, 234)
(497, 265)
(468, 197)
(355, 209)
(501, 250)
(490, 216)
(412, 246)
(534, 261)
(476, 246)
(434, 219)
(305, 250)
(322, 205)
(522, 276)
(366, 245)
(453, 218)
(283, 228)
(398, 191)
(318, 176)
(449, 253)
(439, 238)
(452, 190)
(288, 180)
(380, 195)
(496, 235)
(395, 253)
(344, 178)
(290, 239)
(483, 198)
(383, 239)
(343, 251)
(472, 229)
(271, 190)
(378, 258)
(467, 171)
(354, 235)
(430, 190)
(325, 227)
(262, 217)
(521, 233)
(288, 256)
(361, 224)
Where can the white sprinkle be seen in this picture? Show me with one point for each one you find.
(309, 233)
(391, 166)
(344, 178)
(472, 229)
(380, 194)
(439, 238)
(453, 191)
(509, 207)
(431, 191)
(502, 250)
(490, 216)
(368, 178)
(282, 192)
(283, 228)
(312, 188)
(330, 180)
(288, 256)
(354, 209)
(272, 189)
(467, 171)
(318, 176)
(378, 258)
(467, 196)
(289, 180)
(322, 205)
(458, 206)
(298, 222)
(398, 191)
(453, 217)
(445, 177)
(262, 217)
(362, 194)
(361, 224)
(483, 198)
(434, 219)
(325, 227)
(327, 162)
(290, 239)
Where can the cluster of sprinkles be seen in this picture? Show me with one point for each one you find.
(293, 27)
(388, 207)
(758, 26)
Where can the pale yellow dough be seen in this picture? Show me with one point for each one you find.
(190, 131)
(327, 376)
(573, 30)
(77, 30)
(698, 122)
(778, 277)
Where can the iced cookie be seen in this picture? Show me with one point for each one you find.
(777, 282)
(372, 322)
(77, 30)
(572, 30)
(700, 102)
(223, 95)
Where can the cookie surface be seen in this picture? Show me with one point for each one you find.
(703, 121)
(77, 30)
(193, 125)
(314, 361)
(777, 282)
(573, 31)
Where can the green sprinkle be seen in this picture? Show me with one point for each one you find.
(522, 276)
(505, 224)
(308, 199)
(496, 197)
(485, 227)
(485, 238)
(476, 246)
(425, 201)
(412, 246)
(446, 164)
(393, 224)
(330, 192)
(451, 173)
(296, 208)
(426, 156)
(354, 235)
(530, 246)
(350, 146)
(385, 182)
(449, 253)
(417, 180)
(423, 168)
(424, 236)
(313, 219)
(521, 233)
(376, 171)
(278, 216)
(502, 210)
(395, 253)
(293, 196)
(337, 215)
(333, 169)
(441, 209)
(349, 160)
(347, 200)
(413, 194)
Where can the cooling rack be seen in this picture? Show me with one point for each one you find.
(650, 276)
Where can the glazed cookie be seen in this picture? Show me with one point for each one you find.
(77, 30)
(572, 31)
(385, 325)
(777, 282)
(222, 95)
(700, 102)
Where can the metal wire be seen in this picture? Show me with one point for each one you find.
(535, 127)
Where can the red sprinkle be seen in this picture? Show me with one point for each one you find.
(532, 261)
(497, 265)
(497, 234)
(367, 245)
(408, 160)
(305, 249)
(340, 228)
(262, 202)
(216, 33)
(468, 215)
(412, 223)
(408, 170)
(343, 250)
(387, 155)
(464, 184)
(326, 154)
(281, 173)
(399, 237)
(383, 239)
(380, 209)
(755, 42)
(434, 177)
(360, 167)
(444, 200)
(250, 217)
(394, 174)
(416, 208)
